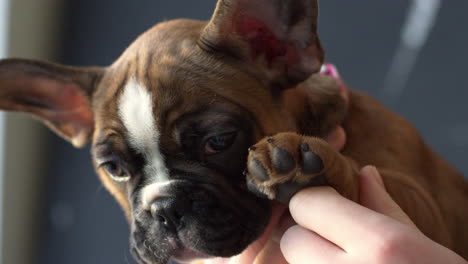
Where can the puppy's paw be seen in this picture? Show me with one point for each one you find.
(281, 165)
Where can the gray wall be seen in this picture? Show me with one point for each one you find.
(84, 225)
(33, 32)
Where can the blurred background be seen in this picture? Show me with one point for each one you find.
(410, 54)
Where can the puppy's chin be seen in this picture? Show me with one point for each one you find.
(188, 256)
(251, 254)
(210, 226)
(254, 253)
(190, 244)
(179, 255)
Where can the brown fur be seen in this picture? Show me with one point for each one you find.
(422, 183)
(190, 75)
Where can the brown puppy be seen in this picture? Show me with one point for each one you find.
(171, 120)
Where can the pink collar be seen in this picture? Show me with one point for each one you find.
(329, 69)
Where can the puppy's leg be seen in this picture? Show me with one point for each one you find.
(281, 165)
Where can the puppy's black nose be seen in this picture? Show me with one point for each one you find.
(169, 211)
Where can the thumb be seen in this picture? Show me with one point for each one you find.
(374, 196)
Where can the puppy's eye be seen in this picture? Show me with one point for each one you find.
(218, 143)
(116, 171)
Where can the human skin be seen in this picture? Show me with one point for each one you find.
(333, 229)
(328, 228)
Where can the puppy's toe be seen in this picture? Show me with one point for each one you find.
(258, 170)
(311, 162)
(253, 187)
(281, 165)
(283, 161)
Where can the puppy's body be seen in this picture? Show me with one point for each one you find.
(171, 120)
(422, 183)
(433, 190)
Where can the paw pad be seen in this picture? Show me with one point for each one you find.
(280, 166)
(311, 162)
(283, 161)
(256, 168)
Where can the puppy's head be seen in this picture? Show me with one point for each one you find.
(171, 120)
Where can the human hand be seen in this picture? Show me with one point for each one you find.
(333, 229)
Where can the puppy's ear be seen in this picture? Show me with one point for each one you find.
(276, 38)
(58, 95)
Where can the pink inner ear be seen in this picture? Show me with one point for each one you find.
(68, 109)
(66, 100)
(261, 40)
(61, 104)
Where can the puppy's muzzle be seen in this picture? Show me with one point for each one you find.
(164, 203)
(168, 211)
(185, 219)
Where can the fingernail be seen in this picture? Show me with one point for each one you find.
(337, 138)
(372, 170)
(286, 221)
(378, 177)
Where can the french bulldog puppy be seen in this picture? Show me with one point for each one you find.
(189, 105)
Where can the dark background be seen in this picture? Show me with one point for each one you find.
(85, 225)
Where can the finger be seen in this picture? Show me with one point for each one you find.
(283, 225)
(335, 218)
(337, 138)
(300, 245)
(271, 254)
(251, 253)
(374, 196)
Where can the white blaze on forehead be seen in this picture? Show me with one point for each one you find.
(136, 112)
